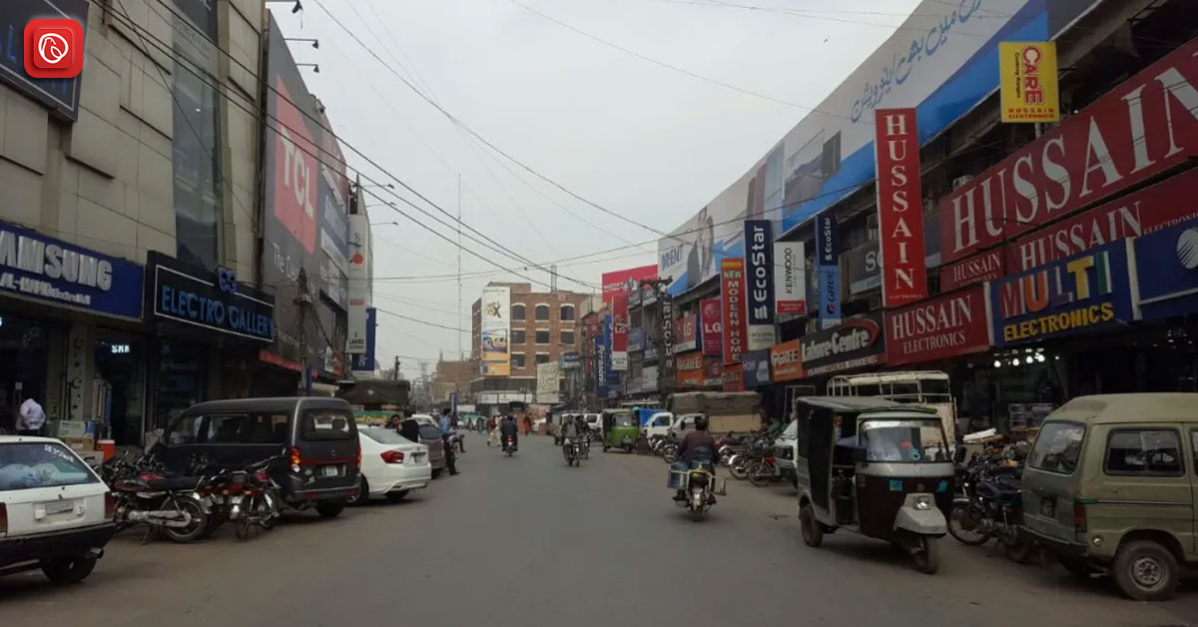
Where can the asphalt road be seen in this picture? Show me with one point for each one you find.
(527, 541)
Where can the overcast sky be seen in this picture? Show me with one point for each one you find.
(642, 140)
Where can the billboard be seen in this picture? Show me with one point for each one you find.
(790, 278)
(1028, 81)
(625, 281)
(547, 382)
(686, 333)
(495, 331)
(858, 343)
(940, 327)
(712, 327)
(1167, 270)
(359, 284)
(786, 361)
(900, 208)
(619, 331)
(756, 366)
(732, 296)
(364, 363)
(942, 60)
(759, 279)
(59, 95)
(827, 269)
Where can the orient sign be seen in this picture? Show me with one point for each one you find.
(939, 328)
(1144, 127)
(900, 207)
(855, 344)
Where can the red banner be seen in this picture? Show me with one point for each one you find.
(625, 281)
(713, 371)
(900, 208)
(734, 378)
(619, 331)
(710, 320)
(1142, 128)
(686, 333)
(786, 361)
(689, 368)
(986, 266)
(732, 294)
(939, 328)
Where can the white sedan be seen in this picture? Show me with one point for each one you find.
(392, 465)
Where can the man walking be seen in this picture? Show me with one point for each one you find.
(447, 437)
(30, 417)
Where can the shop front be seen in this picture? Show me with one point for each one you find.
(69, 335)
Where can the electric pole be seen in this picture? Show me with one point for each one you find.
(395, 373)
(459, 324)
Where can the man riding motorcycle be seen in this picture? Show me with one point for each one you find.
(697, 447)
(570, 434)
(509, 429)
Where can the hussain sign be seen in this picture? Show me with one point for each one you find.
(938, 328)
(900, 207)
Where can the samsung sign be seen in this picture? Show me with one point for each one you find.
(217, 302)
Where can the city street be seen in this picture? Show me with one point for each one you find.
(529, 541)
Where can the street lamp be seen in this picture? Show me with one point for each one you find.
(315, 42)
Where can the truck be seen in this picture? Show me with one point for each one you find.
(726, 412)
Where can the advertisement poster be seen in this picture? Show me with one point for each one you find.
(363, 364)
(732, 291)
(1132, 133)
(689, 367)
(625, 281)
(1089, 292)
(495, 331)
(857, 343)
(713, 371)
(900, 208)
(711, 320)
(733, 379)
(686, 333)
(1167, 268)
(827, 269)
(619, 331)
(756, 368)
(938, 328)
(759, 281)
(1028, 81)
(547, 383)
(790, 278)
(786, 362)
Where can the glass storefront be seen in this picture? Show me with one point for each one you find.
(24, 366)
(182, 379)
(118, 389)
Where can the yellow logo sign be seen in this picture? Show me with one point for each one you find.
(1028, 73)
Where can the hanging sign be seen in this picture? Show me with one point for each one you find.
(900, 207)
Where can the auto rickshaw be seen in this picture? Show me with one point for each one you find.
(619, 429)
(879, 469)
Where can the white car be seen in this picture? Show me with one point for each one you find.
(658, 424)
(392, 465)
(594, 423)
(55, 513)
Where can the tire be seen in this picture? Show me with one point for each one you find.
(64, 571)
(760, 473)
(605, 447)
(363, 495)
(1019, 549)
(196, 530)
(330, 510)
(669, 452)
(243, 527)
(628, 449)
(737, 469)
(396, 497)
(271, 501)
(965, 532)
(813, 534)
(1146, 571)
(927, 558)
(696, 514)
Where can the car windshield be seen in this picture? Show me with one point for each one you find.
(25, 465)
(1057, 448)
(904, 441)
(383, 436)
(623, 419)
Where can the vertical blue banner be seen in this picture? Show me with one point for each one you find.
(827, 269)
(365, 361)
(759, 284)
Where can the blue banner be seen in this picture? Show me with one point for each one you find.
(1167, 270)
(756, 368)
(364, 362)
(827, 269)
(1083, 293)
(759, 273)
(601, 362)
(182, 293)
(636, 339)
(40, 268)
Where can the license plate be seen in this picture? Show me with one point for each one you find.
(330, 471)
(1048, 507)
(235, 500)
(59, 507)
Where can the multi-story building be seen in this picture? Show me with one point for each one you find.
(450, 377)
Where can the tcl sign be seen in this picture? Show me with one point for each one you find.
(296, 180)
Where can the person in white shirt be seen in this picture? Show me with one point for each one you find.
(30, 418)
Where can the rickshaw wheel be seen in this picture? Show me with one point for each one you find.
(813, 534)
(927, 557)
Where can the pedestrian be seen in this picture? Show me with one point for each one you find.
(527, 425)
(30, 417)
(447, 436)
(494, 439)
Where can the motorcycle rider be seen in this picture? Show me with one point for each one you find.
(448, 436)
(509, 429)
(697, 447)
(570, 434)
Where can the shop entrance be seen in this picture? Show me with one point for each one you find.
(24, 361)
(118, 400)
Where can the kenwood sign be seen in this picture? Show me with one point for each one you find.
(857, 343)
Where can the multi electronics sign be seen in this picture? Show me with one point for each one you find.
(858, 343)
(214, 301)
(60, 95)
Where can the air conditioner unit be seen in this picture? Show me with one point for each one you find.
(961, 181)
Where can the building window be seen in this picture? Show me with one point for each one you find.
(195, 155)
(568, 338)
(567, 312)
(517, 360)
(519, 336)
(542, 336)
(517, 312)
(542, 358)
(542, 312)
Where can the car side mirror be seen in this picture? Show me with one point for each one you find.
(959, 454)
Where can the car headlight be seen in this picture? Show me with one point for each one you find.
(923, 502)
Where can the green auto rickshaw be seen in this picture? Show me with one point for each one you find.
(619, 429)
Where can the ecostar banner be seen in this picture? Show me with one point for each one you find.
(1145, 126)
(790, 278)
(900, 208)
(495, 331)
(940, 327)
(759, 278)
(827, 269)
(1028, 79)
(732, 296)
(711, 321)
(619, 331)
(858, 343)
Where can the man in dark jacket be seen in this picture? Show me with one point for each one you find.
(509, 429)
(697, 447)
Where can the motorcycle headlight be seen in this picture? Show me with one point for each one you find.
(923, 502)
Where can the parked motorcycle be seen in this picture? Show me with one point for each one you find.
(761, 471)
(166, 504)
(668, 451)
(989, 506)
(248, 497)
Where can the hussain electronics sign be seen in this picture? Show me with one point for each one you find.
(900, 207)
(732, 290)
(1147, 125)
(938, 328)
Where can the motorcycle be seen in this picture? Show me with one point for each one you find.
(572, 448)
(169, 505)
(761, 471)
(668, 451)
(697, 490)
(248, 497)
(509, 445)
(989, 506)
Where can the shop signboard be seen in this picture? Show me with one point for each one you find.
(1140, 129)
(619, 331)
(732, 295)
(571, 360)
(759, 279)
(756, 368)
(60, 95)
(43, 269)
(494, 331)
(938, 328)
(636, 339)
(599, 367)
(547, 382)
(786, 361)
(827, 269)
(1087, 292)
(900, 207)
(1167, 271)
(711, 321)
(862, 263)
(649, 376)
(981, 267)
(667, 334)
(686, 333)
(1028, 81)
(214, 301)
(790, 278)
(689, 368)
(625, 281)
(611, 375)
(857, 343)
(733, 378)
(364, 363)
(713, 371)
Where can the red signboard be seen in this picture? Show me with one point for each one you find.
(900, 207)
(296, 173)
(619, 331)
(942, 327)
(732, 293)
(625, 281)
(734, 378)
(786, 361)
(1148, 210)
(713, 371)
(1142, 128)
(686, 333)
(710, 320)
(985, 266)
(689, 368)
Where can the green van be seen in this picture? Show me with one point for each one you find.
(1111, 486)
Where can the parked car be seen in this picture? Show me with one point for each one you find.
(317, 434)
(658, 424)
(392, 465)
(594, 423)
(683, 424)
(1110, 487)
(55, 513)
(430, 436)
(785, 451)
